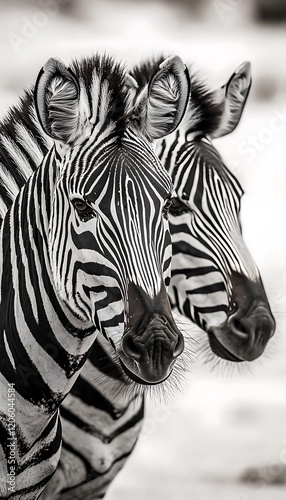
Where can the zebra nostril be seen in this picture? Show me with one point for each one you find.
(239, 328)
(130, 348)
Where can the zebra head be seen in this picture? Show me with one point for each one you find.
(109, 242)
(215, 281)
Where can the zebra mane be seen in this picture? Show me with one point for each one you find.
(111, 73)
(204, 111)
(23, 143)
(22, 147)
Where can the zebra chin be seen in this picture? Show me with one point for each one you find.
(135, 374)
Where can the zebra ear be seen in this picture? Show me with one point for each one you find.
(57, 101)
(162, 103)
(234, 96)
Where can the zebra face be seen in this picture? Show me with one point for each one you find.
(215, 281)
(117, 229)
(109, 241)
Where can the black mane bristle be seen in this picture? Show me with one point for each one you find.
(112, 72)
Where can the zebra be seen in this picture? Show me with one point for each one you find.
(210, 272)
(84, 247)
(215, 281)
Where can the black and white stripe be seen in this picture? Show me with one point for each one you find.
(206, 231)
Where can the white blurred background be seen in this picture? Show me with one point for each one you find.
(199, 445)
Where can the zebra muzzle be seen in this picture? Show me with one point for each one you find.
(151, 341)
(250, 323)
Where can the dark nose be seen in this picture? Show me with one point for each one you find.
(252, 324)
(152, 339)
(157, 335)
(244, 336)
(252, 331)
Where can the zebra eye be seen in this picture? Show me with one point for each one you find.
(167, 207)
(178, 207)
(84, 211)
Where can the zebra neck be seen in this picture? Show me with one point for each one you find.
(43, 346)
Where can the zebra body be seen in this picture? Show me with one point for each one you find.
(208, 250)
(69, 231)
